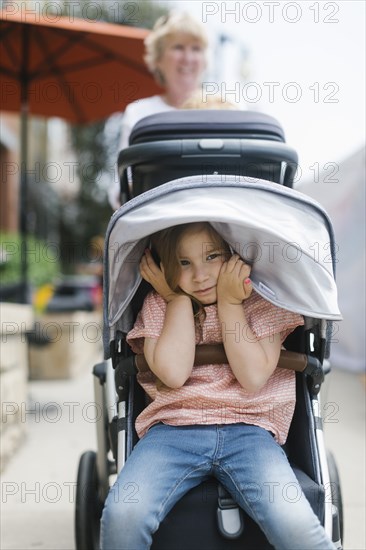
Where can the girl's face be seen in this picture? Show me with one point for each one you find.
(200, 260)
(182, 62)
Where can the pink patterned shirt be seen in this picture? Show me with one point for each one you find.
(212, 394)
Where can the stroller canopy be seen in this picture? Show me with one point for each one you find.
(286, 236)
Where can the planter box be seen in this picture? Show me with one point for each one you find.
(68, 343)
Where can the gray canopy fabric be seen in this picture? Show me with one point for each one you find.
(286, 236)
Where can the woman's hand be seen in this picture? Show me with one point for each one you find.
(152, 273)
(234, 285)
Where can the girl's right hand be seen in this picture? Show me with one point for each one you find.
(152, 273)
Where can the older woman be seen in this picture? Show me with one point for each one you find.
(176, 55)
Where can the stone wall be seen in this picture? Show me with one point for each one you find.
(16, 319)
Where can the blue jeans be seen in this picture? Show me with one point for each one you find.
(169, 461)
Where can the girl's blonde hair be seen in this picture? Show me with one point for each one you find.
(167, 25)
(165, 245)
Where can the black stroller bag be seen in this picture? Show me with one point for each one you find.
(170, 145)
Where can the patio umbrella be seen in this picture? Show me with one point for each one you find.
(79, 70)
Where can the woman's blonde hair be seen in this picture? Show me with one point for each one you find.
(165, 245)
(168, 25)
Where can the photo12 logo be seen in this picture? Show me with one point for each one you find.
(271, 92)
(127, 13)
(270, 12)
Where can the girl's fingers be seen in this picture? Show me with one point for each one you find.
(247, 287)
(148, 263)
(240, 269)
(145, 269)
(232, 263)
(244, 270)
(149, 259)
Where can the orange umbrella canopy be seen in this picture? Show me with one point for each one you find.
(79, 70)
(76, 69)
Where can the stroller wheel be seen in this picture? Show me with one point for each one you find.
(335, 489)
(88, 504)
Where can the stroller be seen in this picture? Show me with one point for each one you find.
(235, 171)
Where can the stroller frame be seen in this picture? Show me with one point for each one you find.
(115, 386)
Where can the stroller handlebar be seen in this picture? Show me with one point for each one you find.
(211, 354)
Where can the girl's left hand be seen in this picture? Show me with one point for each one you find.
(234, 285)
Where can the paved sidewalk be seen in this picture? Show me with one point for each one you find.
(38, 485)
(343, 410)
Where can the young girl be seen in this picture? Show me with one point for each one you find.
(225, 420)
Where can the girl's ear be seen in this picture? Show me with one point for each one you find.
(162, 268)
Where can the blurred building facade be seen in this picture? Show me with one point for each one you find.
(341, 191)
(9, 163)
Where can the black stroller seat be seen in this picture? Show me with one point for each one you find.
(209, 505)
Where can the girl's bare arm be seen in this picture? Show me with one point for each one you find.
(171, 356)
(251, 360)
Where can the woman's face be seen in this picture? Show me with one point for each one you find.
(182, 62)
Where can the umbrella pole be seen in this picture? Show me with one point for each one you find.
(24, 291)
(23, 226)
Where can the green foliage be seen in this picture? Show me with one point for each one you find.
(43, 260)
